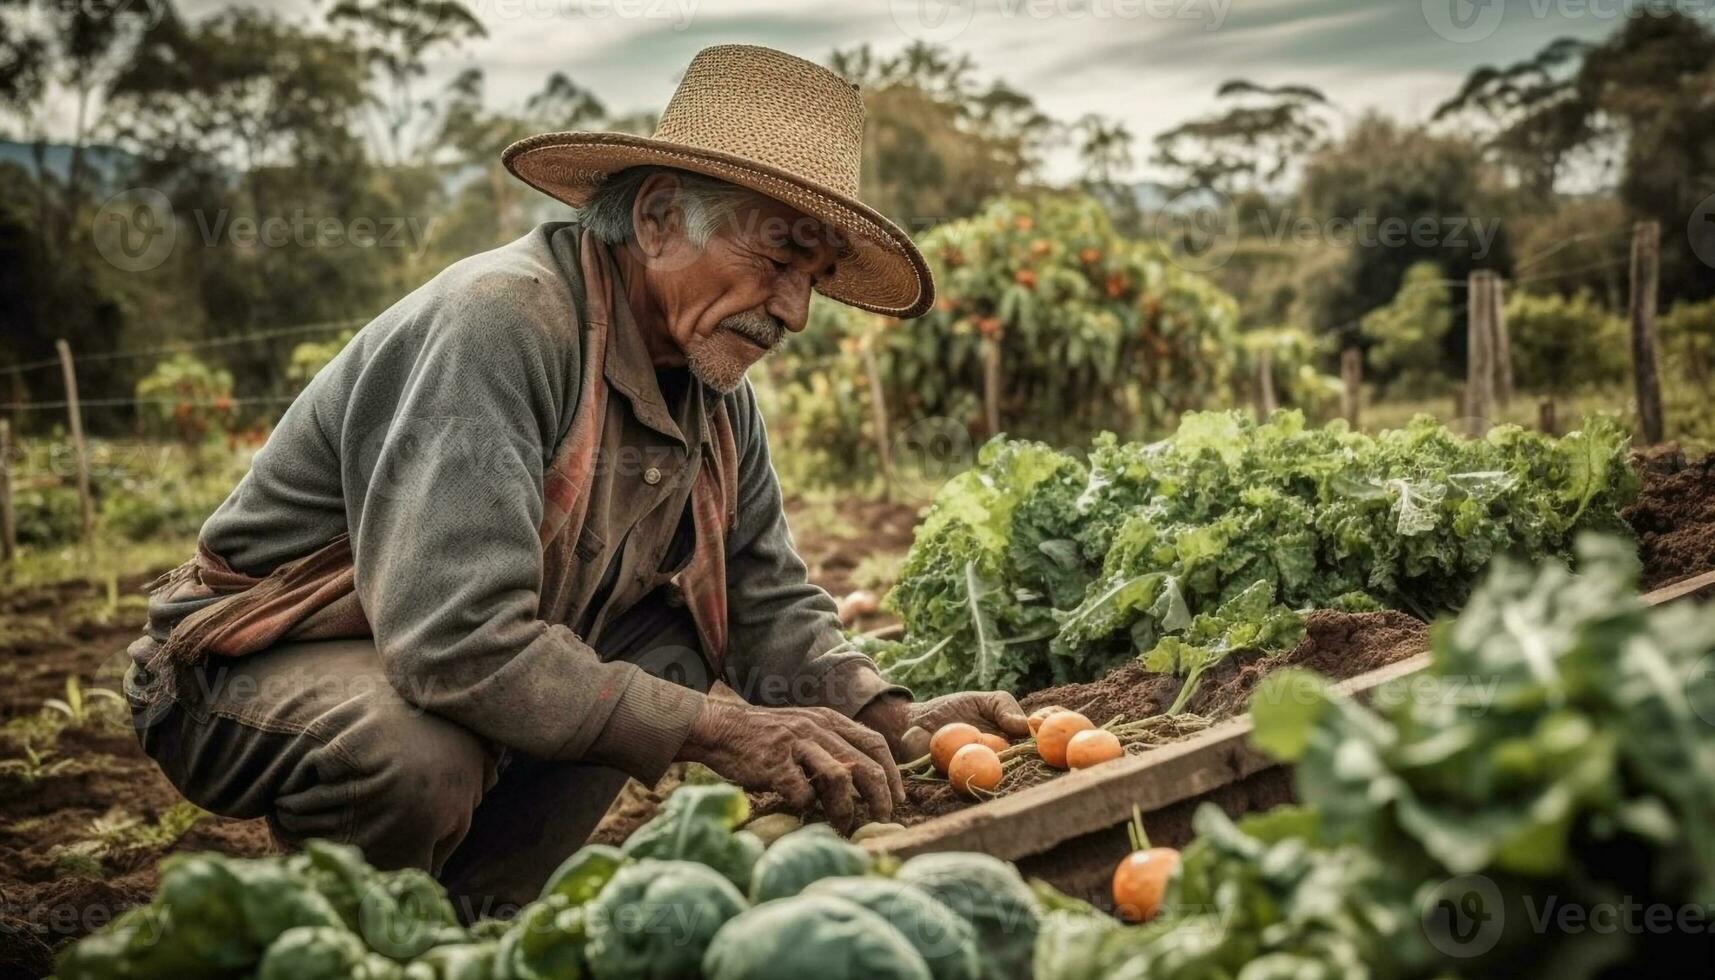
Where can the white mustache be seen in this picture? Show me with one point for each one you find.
(766, 331)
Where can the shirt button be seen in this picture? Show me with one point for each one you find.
(652, 475)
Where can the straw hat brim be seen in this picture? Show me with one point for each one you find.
(883, 271)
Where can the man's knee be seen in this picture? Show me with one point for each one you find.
(406, 783)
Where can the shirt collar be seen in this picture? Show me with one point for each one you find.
(631, 372)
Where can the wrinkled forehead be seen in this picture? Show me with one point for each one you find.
(768, 223)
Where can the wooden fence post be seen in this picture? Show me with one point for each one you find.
(1266, 400)
(1503, 348)
(76, 416)
(991, 384)
(1480, 363)
(8, 521)
(1646, 250)
(1351, 381)
(878, 414)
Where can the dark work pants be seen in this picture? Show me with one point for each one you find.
(312, 737)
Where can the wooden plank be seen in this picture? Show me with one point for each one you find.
(8, 521)
(1681, 589)
(1501, 343)
(1646, 281)
(1351, 384)
(878, 416)
(69, 371)
(1089, 801)
(1480, 353)
(991, 384)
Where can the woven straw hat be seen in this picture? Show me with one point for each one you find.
(779, 125)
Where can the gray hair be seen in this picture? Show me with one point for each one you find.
(705, 201)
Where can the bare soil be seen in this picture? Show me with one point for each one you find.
(1674, 516)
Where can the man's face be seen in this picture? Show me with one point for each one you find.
(731, 303)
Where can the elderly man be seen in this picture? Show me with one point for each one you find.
(498, 554)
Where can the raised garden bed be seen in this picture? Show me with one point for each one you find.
(1071, 831)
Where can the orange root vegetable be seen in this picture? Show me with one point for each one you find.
(1037, 717)
(975, 768)
(949, 739)
(1056, 732)
(1140, 880)
(1091, 747)
(995, 742)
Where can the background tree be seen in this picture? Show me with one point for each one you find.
(936, 147)
(1407, 335)
(1537, 114)
(397, 37)
(1250, 145)
(1385, 171)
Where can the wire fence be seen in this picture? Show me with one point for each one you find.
(231, 340)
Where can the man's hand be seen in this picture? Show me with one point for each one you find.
(908, 727)
(804, 754)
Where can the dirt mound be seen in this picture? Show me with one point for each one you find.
(1674, 516)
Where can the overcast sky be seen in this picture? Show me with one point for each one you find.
(1149, 63)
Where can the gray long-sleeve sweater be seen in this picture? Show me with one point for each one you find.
(427, 438)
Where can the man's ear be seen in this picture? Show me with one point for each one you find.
(656, 216)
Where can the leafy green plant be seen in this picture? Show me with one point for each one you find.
(116, 834)
(81, 706)
(1039, 568)
(35, 766)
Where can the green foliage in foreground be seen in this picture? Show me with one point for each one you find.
(605, 913)
(1556, 759)
(1539, 802)
(1038, 568)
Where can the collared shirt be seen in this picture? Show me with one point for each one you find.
(427, 438)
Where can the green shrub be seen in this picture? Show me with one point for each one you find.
(1560, 345)
(186, 399)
